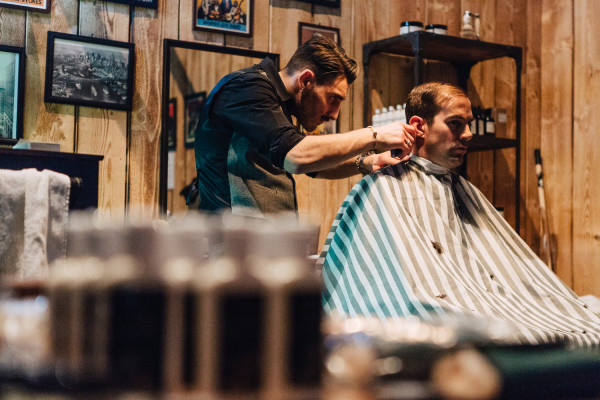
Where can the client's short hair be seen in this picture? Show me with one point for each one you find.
(325, 58)
(426, 100)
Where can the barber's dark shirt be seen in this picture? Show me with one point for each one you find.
(242, 143)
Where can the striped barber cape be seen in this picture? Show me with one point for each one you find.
(417, 239)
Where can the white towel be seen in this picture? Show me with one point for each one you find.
(34, 207)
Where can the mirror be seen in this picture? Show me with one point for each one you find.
(190, 71)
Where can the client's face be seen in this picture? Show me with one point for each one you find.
(447, 136)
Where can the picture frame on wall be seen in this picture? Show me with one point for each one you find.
(194, 115)
(139, 3)
(224, 16)
(326, 3)
(306, 31)
(88, 71)
(172, 125)
(12, 92)
(42, 6)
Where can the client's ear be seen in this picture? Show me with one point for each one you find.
(418, 123)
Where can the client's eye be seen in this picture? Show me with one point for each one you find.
(455, 124)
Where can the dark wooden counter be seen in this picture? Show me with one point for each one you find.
(82, 168)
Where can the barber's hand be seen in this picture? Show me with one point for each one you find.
(382, 160)
(396, 136)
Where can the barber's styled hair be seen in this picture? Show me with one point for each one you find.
(325, 58)
(426, 100)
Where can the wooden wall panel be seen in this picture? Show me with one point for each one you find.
(103, 131)
(586, 190)
(12, 27)
(531, 124)
(42, 121)
(513, 14)
(149, 29)
(556, 125)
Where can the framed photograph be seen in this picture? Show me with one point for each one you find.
(306, 31)
(326, 3)
(194, 115)
(139, 3)
(88, 71)
(224, 16)
(37, 5)
(12, 86)
(172, 125)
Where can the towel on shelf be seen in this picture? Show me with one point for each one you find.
(34, 208)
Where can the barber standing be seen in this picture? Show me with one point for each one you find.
(247, 146)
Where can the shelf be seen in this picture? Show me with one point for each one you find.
(452, 49)
(481, 143)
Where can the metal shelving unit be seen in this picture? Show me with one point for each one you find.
(463, 54)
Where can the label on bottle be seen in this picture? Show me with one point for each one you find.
(490, 128)
(473, 127)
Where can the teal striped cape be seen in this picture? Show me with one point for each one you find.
(417, 239)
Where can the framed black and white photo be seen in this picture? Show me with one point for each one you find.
(88, 71)
(306, 31)
(172, 125)
(139, 3)
(194, 114)
(12, 84)
(29, 5)
(326, 3)
(224, 16)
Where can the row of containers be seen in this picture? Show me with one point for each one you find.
(216, 306)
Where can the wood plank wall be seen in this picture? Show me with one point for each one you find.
(559, 97)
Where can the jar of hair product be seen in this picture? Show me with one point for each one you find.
(437, 28)
(410, 26)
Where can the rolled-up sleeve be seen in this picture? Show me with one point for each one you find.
(249, 106)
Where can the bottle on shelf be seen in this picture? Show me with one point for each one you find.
(480, 122)
(490, 123)
(399, 113)
(391, 114)
(376, 119)
(474, 125)
(384, 116)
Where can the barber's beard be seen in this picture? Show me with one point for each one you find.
(308, 116)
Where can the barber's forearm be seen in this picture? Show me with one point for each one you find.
(318, 153)
(343, 170)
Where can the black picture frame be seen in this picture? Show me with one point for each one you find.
(43, 6)
(172, 125)
(194, 115)
(224, 18)
(306, 31)
(326, 3)
(12, 93)
(88, 71)
(139, 3)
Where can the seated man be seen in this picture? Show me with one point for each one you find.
(417, 239)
